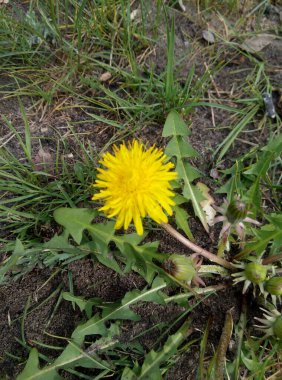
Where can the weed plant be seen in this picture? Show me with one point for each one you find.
(94, 57)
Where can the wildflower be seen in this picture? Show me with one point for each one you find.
(273, 286)
(184, 268)
(234, 215)
(272, 324)
(134, 184)
(253, 272)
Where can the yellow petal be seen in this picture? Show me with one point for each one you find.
(133, 183)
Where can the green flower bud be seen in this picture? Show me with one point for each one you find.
(274, 286)
(255, 272)
(236, 211)
(271, 324)
(277, 327)
(180, 267)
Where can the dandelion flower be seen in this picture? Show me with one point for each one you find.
(234, 215)
(135, 183)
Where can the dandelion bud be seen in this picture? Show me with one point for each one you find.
(255, 272)
(277, 327)
(271, 324)
(274, 286)
(236, 211)
(180, 267)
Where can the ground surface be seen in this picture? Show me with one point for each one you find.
(38, 291)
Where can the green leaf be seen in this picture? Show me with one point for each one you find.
(275, 219)
(253, 195)
(81, 302)
(174, 125)
(274, 145)
(203, 346)
(74, 220)
(259, 170)
(181, 217)
(179, 199)
(151, 295)
(190, 191)
(251, 364)
(106, 121)
(127, 244)
(268, 233)
(94, 326)
(134, 296)
(153, 360)
(102, 234)
(179, 148)
(246, 181)
(132, 239)
(169, 82)
(109, 261)
(184, 169)
(140, 259)
(234, 184)
(32, 372)
(59, 249)
(115, 311)
(17, 253)
(59, 243)
(230, 139)
(118, 311)
(73, 356)
(128, 374)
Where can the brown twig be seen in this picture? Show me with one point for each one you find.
(212, 111)
(212, 80)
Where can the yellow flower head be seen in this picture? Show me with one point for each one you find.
(135, 184)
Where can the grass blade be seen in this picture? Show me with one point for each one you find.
(229, 140)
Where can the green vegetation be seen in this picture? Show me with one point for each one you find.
(80, 76)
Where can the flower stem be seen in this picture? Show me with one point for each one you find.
(195, 248)
(272, 259)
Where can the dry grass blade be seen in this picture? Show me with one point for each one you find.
(223, 345)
